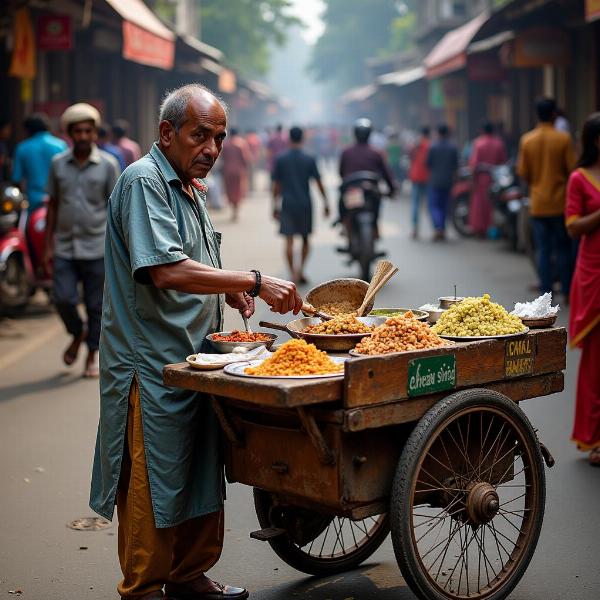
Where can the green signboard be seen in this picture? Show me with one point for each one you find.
(431, 374)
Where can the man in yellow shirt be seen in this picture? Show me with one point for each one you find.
(545, 161)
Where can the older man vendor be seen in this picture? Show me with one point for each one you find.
(157, 452)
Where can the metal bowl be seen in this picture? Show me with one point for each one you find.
(227, 347)
(434, 315)
(448, 301)
(339, 290)
(420, 315)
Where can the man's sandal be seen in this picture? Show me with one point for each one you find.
(594, 457)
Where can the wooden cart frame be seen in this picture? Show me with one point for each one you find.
(381, 442)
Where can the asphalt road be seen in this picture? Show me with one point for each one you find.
(48, 418)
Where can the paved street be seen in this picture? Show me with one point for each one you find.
(48, 418)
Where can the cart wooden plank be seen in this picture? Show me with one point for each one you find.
(412, 409)
(380, 379)
(265, 392)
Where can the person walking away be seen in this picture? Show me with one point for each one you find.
(488, 151)
(80, 182)
(276, 145)
(582, 218)
(131, 149)
(236, 160)
(293, 172)
(105, 144)
(419, 176)
(545, 161)
(159, 449)
(33, 158)
(442, 162)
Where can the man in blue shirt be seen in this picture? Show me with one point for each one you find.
(442, 162)
(33, 158)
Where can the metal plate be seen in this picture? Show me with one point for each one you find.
(227, 347)
(538, 322)
(483, 337)
(237, 369)
(360, 355)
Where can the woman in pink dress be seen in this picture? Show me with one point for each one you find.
(583, 222)
(235, 160)
(488, 151)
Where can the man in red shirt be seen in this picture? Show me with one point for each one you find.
(419, 176)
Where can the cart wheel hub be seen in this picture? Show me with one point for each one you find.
(482, 503)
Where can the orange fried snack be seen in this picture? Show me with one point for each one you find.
(400, 334)
(294, 358)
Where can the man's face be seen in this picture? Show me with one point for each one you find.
(194, 149)
(83, 134)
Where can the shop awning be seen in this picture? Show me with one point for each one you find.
(202, 47)
(450, 53)
(402, 78)
(146, 40)
(490, 43)
(358, 94)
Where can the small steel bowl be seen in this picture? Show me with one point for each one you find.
(227, 347)
(434, 315)
(420, 315)
(448, 301)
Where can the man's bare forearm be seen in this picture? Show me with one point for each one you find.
(192, 277)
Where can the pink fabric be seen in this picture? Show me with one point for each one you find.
(488, 150)
(276, 145)
(131, 150)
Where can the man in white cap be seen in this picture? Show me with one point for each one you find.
(80, 182)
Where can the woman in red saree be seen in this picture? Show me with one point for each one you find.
(583, 222)
(488, 151)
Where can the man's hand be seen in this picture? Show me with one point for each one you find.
(280, 295)
(242, 302)
(277, 213)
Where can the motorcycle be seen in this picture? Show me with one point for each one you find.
(21, 250)
(360, 198)
(460, 199)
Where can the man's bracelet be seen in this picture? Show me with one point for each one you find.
(256, 289)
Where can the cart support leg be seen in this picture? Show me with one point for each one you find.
(230, 433)
(309, 424)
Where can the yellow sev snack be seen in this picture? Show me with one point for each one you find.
(294, 358)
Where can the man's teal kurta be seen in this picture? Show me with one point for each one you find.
(151, 221)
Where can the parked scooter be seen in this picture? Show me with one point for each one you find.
(508, 200)
(360, 198)
(21, 250)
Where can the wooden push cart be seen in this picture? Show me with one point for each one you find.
(430, 444)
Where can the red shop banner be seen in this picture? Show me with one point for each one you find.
(55, 32)
(147, 48)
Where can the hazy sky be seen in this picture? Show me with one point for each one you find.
(309, 11)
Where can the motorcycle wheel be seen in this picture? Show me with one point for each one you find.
(460, 214)
(15, 288)
(366, 240)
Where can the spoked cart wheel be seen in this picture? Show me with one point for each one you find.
(316, 543)
(468, 498)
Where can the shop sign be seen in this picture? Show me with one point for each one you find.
(592, 10)
(23, 57)
(541, 46)
(436, 94)
(519, 356)
(455, 92)
(146, 48)
(431, 374)
(55, 32)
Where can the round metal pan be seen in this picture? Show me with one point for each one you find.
(330, 343)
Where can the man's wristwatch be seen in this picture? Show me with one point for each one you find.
(256, 289)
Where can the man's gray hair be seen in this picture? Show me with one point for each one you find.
(174, 104)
